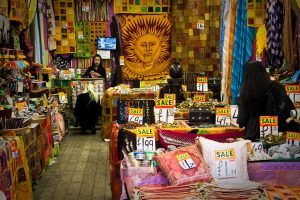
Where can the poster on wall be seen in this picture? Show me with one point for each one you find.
(146, 42)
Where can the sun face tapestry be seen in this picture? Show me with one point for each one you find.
(146, 46)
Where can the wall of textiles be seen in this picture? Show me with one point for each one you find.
(197, 48)
(142, 6)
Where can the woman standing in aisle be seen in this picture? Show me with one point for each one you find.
(260, 96)
(96, 70)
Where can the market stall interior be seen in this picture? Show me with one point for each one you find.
(193, 99)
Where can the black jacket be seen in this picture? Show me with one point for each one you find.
(87, 110)
(99, 70)
(276, 103)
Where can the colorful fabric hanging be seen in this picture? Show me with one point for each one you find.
(242, 49)
(229, 19)
(51, 26)
(222, 30)
(31, 11)
(261, 40)
(287, 34)
(274, 26)
(37, 41)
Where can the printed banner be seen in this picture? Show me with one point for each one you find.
(146, 42)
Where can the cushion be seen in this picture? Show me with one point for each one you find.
(227, 161)
(183, 166)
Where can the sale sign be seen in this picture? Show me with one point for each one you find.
(223, 116)
(185, 161)
(170, 96)
(145, 139)
(226, 163)
(135, 115)
(294, 92)
(199, 98)
(293, 139)
(164, 110)
(268, 125)
(202, 84)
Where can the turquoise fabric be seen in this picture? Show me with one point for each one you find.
(244, 37)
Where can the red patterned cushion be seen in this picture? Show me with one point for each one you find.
(196, 171)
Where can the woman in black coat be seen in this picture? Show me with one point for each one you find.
(260, 96)
(96, 70)
(87, 109)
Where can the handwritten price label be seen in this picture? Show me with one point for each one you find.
(293, 139)
(199, 98)
(234, 110)
(164, 110)
(268, 125)
(145, 143)
(256, 147)
(226, 166)
(223, 116)
(135, 115)
(294, 92)
(202, 84)
(185, 161)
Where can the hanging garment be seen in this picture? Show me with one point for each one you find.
(87, 111)
(274, 26)
(287, 34)
(229, 19)
(242, 49)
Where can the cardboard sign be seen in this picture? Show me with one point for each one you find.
(202, 84)
(223, 116)
(21, 105)
(268, 125)
(185, 161)
(293, 139)
(135, 115)
(225, 166)
(234, 111)
(145, 139)
(199, 98)
(294, 92)
(164, 110)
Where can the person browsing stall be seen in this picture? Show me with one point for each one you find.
(261, 96)
(96, 70)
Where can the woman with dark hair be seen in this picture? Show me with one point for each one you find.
(96, 70)
(260, 96)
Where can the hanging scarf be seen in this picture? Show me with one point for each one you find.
(229, 15)
(274, 25)
(31, 11)
(242, 49)
(287, 34)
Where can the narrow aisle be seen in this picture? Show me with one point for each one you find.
(80, 171)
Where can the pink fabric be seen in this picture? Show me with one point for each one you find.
(176, 175)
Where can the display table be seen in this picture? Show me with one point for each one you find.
(115, 158)
(275, 173)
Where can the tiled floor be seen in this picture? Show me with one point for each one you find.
(80, 172)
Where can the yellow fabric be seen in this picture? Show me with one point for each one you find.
(261, 40)
(31, 11)
(146, 42)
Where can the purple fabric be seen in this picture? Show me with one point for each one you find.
(275, 173)
(157, 179)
